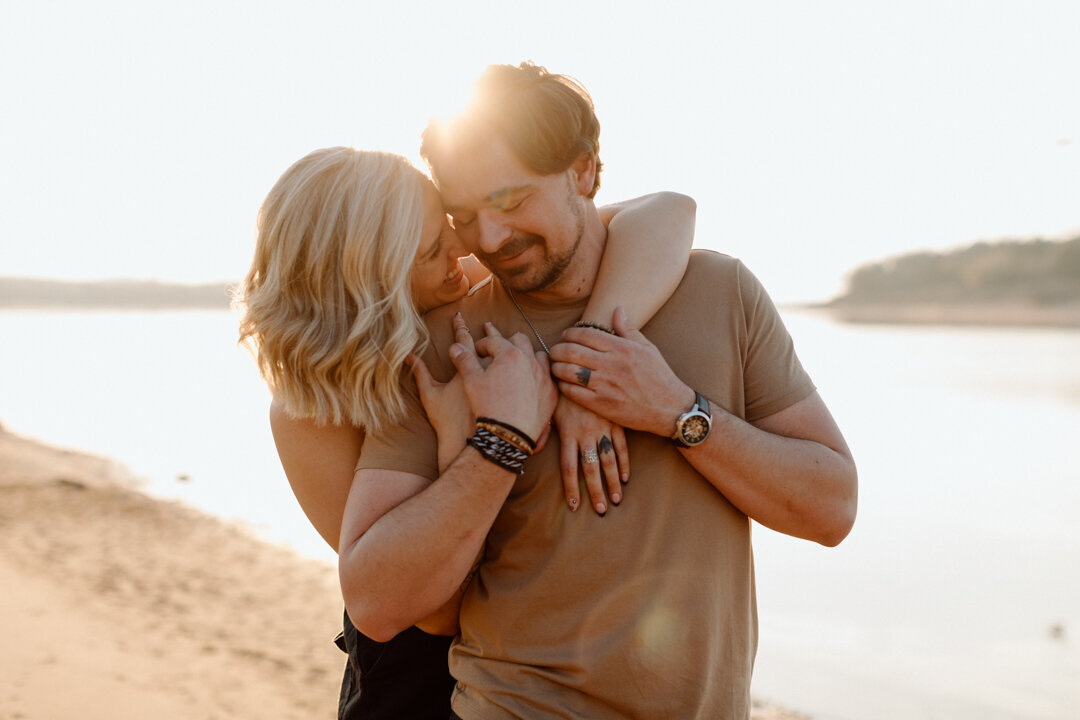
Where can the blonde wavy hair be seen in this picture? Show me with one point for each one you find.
(327, 306)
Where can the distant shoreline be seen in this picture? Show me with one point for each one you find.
(1009, 283)
(43, 294)
(1001, 314)
(150, 295)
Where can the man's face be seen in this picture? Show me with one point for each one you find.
(523, 226)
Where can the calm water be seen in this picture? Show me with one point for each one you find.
(943, 602)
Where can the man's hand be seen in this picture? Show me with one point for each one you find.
(621, 377)
(514, 388)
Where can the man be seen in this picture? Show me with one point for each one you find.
(649, 611)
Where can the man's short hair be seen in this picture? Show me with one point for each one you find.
(548, 120)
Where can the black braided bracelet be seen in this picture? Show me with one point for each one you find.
(507, 426)
(498, 450)
(595, 326)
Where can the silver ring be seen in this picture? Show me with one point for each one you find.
(589, 456)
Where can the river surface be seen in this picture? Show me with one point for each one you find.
(956, 596)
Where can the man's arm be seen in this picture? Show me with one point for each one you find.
(791, 471)
(408, 544)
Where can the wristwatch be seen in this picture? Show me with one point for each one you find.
(693, 426)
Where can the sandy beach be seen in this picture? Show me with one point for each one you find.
(119, 605)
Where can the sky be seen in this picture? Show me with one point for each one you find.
(139, 138)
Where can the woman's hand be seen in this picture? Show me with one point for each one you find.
(601, 448)
(447, 409)
(446, 405)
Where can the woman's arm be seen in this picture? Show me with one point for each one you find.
(648, 247)
(449, 413)
(319, 461)
(649, 240)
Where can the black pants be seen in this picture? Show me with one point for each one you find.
(404, 678)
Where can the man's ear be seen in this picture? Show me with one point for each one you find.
(584, 169)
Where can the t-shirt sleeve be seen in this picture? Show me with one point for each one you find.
(409, 446)
(773, 377)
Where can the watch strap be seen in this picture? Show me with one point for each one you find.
(701, 403)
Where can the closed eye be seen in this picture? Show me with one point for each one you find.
(436, 250)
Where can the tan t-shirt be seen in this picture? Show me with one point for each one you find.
(650, 610)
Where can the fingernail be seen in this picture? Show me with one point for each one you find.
(455, 350)
(601, 508)
(616, 498)
(573, 504)
(625, 477)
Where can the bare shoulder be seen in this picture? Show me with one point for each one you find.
(305, 435)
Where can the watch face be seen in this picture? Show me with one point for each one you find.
(694, 429)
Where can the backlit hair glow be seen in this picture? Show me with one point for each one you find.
(326, 306)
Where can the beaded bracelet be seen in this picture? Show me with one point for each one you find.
(507, 432)
(502, 452)
(507, 436)
(594, 326)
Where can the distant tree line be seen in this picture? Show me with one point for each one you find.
(1035, 271)
(111, 294)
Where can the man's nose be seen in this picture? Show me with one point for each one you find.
(493, 230)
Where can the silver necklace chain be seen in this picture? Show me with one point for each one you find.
(535, 332)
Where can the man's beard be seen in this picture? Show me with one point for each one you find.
(534, 276)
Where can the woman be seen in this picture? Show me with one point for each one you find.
(352, 247)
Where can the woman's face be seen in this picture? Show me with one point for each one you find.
(437, 277)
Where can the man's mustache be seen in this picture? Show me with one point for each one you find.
(514, 246)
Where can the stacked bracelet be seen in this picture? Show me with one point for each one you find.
(507, 432)
(502, 444)
(594, 326)
(501, 452)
